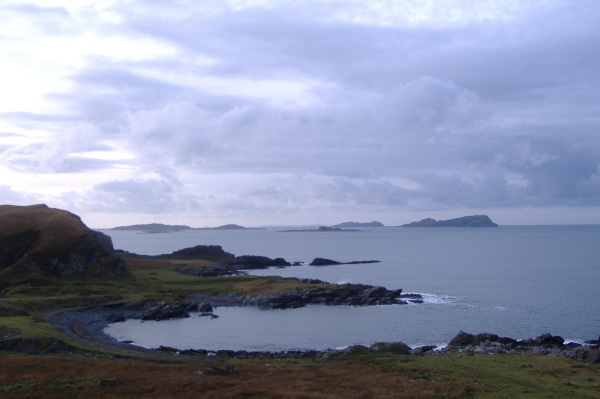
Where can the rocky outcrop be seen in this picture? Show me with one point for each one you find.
(343, 294)
(165, 311)
(207, 252)
(248, 262)
(53, 242)
(465, 221)
(233, 265)
(546, 344)
(329, 262)
(323, 262)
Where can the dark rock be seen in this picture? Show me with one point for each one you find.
(344, 294)
(256, 262)
(329, 262)
(194, 352)
(462, 340)
(323, 262)
(549, 340)
(397, 348)
(421, 350)
(593, 341)
(374, 292)
(165, 311)
(208, 252)
(205, 307)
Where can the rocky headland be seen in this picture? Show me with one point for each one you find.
(38, 240)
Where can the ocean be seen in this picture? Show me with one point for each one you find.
(514, 281)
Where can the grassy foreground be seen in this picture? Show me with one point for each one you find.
(94, 370)
(446, 376)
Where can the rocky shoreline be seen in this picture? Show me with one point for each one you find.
(89, 325)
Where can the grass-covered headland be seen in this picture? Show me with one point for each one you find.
(50, 345)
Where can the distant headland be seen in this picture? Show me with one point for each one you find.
(166, 228)
(465, 221)
(153, 227)
(357, 224)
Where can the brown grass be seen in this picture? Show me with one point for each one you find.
(77, 378)
(147, 263)
(59, 228)
(272, 285)
(144, 263)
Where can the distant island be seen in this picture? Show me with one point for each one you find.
(225, 227)
(356, 224)
(465, 221)
(153, 228)
(320, 229)
(166, 228)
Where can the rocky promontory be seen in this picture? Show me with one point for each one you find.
(465, 221)
(332, 294)
(44, 241)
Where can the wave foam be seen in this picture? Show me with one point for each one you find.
(434, 299)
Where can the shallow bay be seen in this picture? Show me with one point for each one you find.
(517, 281)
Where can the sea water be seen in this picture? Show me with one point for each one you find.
(515, 281)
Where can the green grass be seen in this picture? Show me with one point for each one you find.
(512, 376)
(152, 283)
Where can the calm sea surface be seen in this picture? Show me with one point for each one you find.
(515, 281)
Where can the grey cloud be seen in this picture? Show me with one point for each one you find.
(134, 195)
(59, 154)
(502, 114)
(9, 196)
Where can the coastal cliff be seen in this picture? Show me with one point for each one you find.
(53, 242)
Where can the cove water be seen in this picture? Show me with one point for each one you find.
(514, 281)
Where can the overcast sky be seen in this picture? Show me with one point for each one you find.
(263, 112)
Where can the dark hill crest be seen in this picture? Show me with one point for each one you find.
(53, 242)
